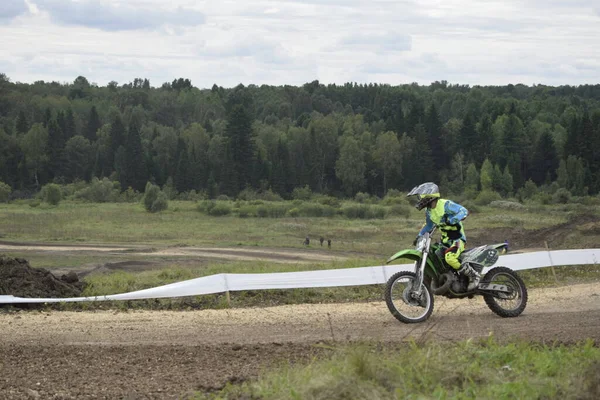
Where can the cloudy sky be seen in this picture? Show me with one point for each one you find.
(296, 41)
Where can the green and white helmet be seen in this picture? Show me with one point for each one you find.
(426, 193)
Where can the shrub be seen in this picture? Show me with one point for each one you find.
(52, 194)
(400, 210)
(590, 201)
(223, 197)
(154, 199)
(5, 191)
(329, 201)
(99, 191)
(278, 210)
(169, 189)
(361, 197)
(311, 210)
(269, 195)
(206, 205)
(272, 211)
(189, 196)
(470, 194)
(247, 211)
(507, 205)
(528, 191)
(552, 188)
(34, 203)
(561, 196)
(262, 212)
(302, 193)
(195, 196)
(356, 211)
(542, 198)
(220, 209)
(161, 203)
(293, 212)
(247, 194)
(329, 211)
(470, 206)
(394, 196)
(394, 193)
(150, 195)
(376, 212)
(71, 189)
(130, 195)
(486, 197)
(363, 211)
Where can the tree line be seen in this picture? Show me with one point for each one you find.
(335, 139)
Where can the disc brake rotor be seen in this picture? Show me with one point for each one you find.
(409, 297)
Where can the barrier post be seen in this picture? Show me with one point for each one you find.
(227, 295)
(551, 263)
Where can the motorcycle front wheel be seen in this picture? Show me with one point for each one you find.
(402, 300)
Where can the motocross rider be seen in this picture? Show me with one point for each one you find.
(447, 215)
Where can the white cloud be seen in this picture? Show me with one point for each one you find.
(9, 9)
(110, 16)
(389, 41)
(296, 41)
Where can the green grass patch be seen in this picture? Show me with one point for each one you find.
(372, 229)
(466, 370)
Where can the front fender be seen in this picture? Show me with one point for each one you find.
(412, 255)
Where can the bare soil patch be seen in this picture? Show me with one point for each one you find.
(19, 279)
(135, 372)
(520, 238)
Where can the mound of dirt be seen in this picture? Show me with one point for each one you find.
(19, 279)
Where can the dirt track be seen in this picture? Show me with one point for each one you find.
(145, 354)
(184, 254)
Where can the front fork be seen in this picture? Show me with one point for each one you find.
(420, 270)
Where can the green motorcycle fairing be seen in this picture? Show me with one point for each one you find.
(415, 255)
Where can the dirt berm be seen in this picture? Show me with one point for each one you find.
(19, 279)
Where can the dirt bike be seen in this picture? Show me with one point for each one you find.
(409, 295)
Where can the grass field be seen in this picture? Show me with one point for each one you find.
(466, 370)
(182, 223)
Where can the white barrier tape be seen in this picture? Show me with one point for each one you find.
(312, 279)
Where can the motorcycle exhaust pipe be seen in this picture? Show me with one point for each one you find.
(446, 281)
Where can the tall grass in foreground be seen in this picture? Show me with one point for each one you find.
(467, 370)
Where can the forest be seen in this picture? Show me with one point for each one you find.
(337, 140)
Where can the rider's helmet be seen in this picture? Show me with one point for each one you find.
(426, 193)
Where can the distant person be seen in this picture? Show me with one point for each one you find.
(307, 241)
(329, 243)
(321, 239)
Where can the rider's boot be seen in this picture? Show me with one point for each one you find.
(470, 273)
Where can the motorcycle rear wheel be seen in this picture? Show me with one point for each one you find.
(400, 301)
(514, 304)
